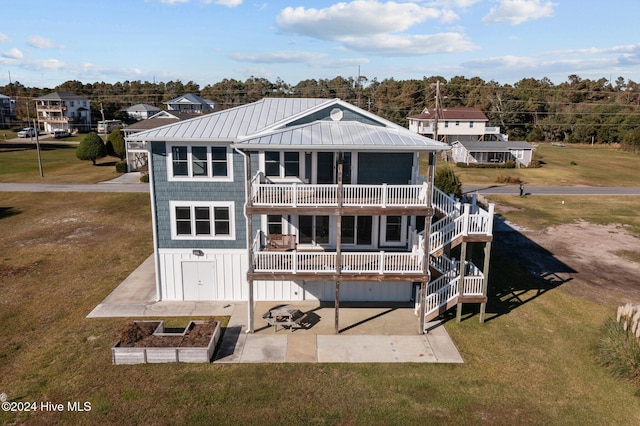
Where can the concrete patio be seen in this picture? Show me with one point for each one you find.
(367, 333)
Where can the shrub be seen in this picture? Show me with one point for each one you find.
(448, 182)
(573, 163)
(121, 167)
(91, 148)
(618, 348)
(144, 178)
(115, 144)
(508, 179)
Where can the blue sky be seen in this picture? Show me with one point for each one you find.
(44, 43)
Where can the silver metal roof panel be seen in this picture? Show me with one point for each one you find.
(352, 135)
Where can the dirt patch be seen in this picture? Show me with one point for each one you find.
(590, 261)
(140, 334)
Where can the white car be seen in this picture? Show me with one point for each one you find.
(27, 132)
(61, 134)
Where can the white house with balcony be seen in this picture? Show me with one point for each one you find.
(309, 199)
(63, 111)
(455, 124)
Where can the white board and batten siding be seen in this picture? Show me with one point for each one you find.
(220, 275)
(214, 276)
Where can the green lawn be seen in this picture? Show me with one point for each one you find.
(597, 165)
(62, 253)
(19, 163)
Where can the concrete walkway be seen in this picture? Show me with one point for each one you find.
(367, 333)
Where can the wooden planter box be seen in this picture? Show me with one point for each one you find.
(141, 355)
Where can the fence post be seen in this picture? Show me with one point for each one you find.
(384, 195)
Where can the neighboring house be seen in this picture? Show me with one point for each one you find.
(63, 111)
(492, 152)
(308, 199)
(141, 111)
(454, 124)
(136, 151)
(7, 111)
(191, 103)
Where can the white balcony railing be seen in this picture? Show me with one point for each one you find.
(313, 195)
(295, 262)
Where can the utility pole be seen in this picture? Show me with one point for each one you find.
(436, 116)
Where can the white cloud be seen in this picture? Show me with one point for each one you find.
(229, 3)
(13, 54)
(377, 28)
(516, 12)
(42, 43)
(410, 45)
(282, 57)
(3, 38)
(357, 18)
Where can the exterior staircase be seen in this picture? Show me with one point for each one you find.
(457, 222)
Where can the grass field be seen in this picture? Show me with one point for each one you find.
(19, 163)
(62, 253)
(530, 363)
(597, 165)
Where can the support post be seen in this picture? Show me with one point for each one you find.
(463, 261)
(249, 228)
(338, 245)
(337, 308)
(485, 282)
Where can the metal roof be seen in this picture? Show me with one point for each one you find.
(61, 96)
(493, 146)
(336, 135)
(229, 124)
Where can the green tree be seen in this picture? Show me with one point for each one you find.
(115, 144)
(91, 148)
(631, 140)
(447, 181)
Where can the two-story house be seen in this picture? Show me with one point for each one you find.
(141, 111)
(455, 124)
(191, 103)
(308, 199)
(7, 111)
(63, 111)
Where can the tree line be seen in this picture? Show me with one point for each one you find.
(575, 111)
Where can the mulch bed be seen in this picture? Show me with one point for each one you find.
(140, 334)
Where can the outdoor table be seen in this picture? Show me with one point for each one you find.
(285, 316)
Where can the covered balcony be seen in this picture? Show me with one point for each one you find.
(268, 196)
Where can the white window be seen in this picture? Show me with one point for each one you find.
(202, 220)
(201, 162)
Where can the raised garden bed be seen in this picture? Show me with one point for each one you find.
(150, 342)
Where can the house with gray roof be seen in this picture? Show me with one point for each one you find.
(7, 111)
(191, 103)
(296, 199)
(141, 111)
(492, 152)
(63, 111)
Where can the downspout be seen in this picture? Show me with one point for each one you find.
(249, 232)
(154, 224)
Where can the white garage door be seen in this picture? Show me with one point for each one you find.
(198, 280)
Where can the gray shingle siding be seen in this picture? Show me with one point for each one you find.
(166, 191)
(325, 115)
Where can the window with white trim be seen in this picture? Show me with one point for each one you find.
(281, 164)
(187, 162)
(202, 220)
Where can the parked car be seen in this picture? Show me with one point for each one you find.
(27, 132)
(61, 134)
